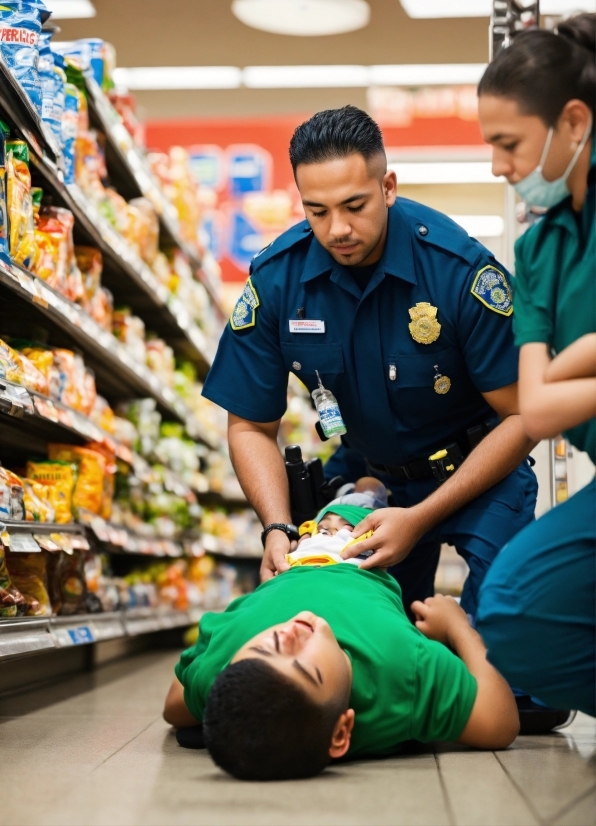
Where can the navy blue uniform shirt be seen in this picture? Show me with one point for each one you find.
(383, 379)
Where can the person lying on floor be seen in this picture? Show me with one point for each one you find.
(321, 663)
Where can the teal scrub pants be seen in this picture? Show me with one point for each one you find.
(537, 606)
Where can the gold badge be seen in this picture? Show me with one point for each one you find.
(442, 383)
(424, 327)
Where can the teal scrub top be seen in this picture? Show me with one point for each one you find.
(555, 285)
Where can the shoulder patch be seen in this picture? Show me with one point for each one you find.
(244, 314)
(491, 288)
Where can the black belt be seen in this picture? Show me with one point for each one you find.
(423, 469)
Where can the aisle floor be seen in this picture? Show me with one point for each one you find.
(93, 750)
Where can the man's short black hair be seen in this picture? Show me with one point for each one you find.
(260, 725)
(335, 133)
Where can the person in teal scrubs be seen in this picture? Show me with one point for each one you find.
(537, 604)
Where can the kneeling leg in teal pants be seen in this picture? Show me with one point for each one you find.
(537, 606)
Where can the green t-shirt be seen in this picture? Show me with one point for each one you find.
(404, 686)
(554, 289)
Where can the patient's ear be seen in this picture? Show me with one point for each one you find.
(342, 734)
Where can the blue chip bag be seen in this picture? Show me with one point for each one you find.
(4, 242)
(20, 27)
(70, 123)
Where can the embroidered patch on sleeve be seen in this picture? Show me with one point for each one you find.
(244, 314)
(491, 288)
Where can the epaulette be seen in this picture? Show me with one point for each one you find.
(287, 240)
(433, 227)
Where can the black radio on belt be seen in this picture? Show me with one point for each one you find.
(445, 462)
(309, 492)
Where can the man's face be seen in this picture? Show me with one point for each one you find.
(304, 649)
(346, 201)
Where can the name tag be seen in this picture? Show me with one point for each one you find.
(306, 325)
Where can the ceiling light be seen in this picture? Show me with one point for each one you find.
(62, 9)
(305, 18)
(481, 226)
(483, 8)
(297, 77)
(457, 172)
(426, 74)
(179, 77)
(304, 77)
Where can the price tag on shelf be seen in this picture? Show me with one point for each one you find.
(23, 543)
(46, 543)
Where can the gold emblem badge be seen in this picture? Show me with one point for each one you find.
(442, 383)
(424, 327)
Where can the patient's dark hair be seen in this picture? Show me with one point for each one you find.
(543, 70)
(335, 133)
(260, 725)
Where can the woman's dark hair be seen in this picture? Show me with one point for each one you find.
(335, 133)
(543, 70)
(260, 725)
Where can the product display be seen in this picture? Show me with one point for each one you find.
(109, 238)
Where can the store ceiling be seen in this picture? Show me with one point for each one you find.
(204, 32)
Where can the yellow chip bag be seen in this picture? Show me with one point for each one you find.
(89, 485)
(58, 479)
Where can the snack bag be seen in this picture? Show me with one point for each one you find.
(72, 377)
(59, 479)
(101, 308)
(90, 263)
(20, 26)
(11, 496)
(4, 234)
(38, 507)
(70, 127)
(20, 205)
(43, 360)
(12, 602)
(67, 586)
(28, 574)
(109, 478)
(91, 469)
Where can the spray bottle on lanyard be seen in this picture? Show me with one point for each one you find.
(327, 407)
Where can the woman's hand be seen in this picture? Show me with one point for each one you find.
(396, 531)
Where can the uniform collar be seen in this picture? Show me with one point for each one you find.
(397, 259)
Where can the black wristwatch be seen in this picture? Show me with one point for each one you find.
(291, 531)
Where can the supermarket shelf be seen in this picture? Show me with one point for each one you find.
(29, 635)
(16, 105)
(132, 177)
(118, 375)
(126, 275)
(44, 420)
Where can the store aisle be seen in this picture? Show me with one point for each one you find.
(93, 750)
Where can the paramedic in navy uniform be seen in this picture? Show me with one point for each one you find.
(410, 328)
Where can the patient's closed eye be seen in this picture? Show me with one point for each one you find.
(260, 650)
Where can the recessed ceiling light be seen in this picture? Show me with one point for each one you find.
(304, 18)
(483, 8)
(62, 9)
(297, 77)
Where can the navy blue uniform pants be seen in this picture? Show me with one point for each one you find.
(537, 611)
(477, 531)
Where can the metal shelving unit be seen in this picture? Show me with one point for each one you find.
(28, 420)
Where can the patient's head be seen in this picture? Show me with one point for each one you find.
(280, 709)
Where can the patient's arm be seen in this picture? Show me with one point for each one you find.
(175, 711)
(494, 721)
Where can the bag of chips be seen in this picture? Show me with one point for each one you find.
(4, 234)
(20, 26)
(38, 507)
(12, 602)
(20, 204)
(91, 469)
(28, 574)
(67, 586)
(58, 478)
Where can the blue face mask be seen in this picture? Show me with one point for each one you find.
(536, 191)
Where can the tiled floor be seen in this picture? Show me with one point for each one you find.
(93, 750)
